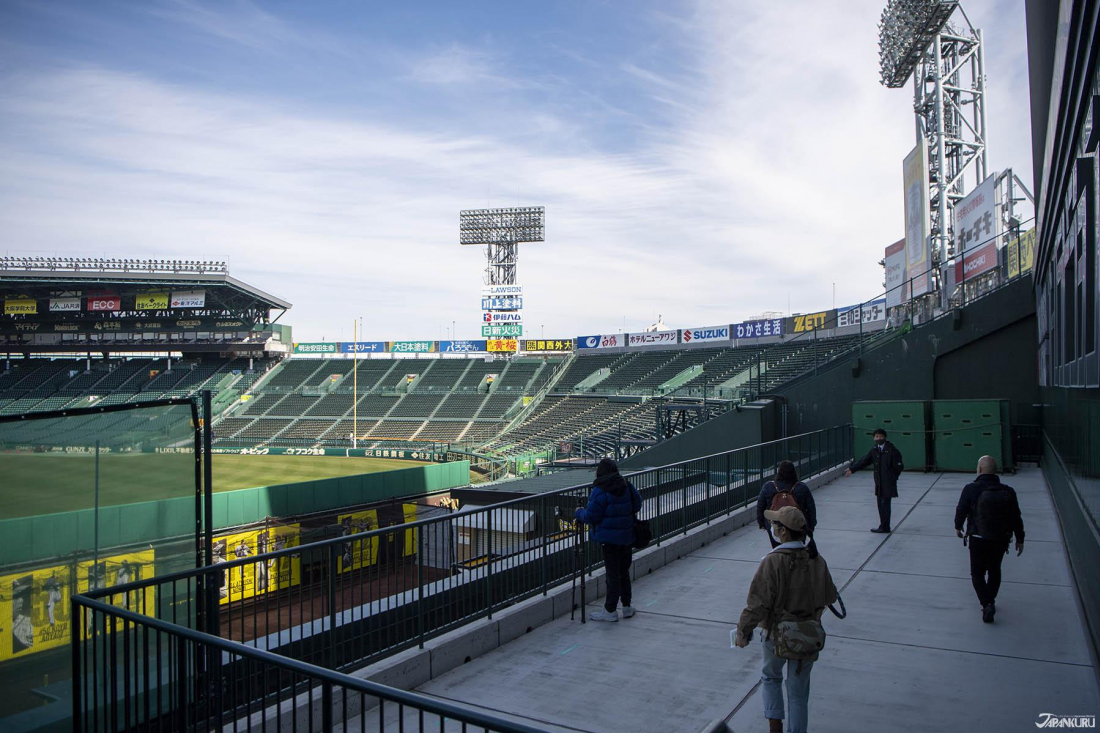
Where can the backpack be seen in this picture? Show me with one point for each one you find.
(782, 498)
(643, 535)
(995, 514)
(794, 638)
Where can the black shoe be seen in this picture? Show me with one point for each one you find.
(987, 613)
(880, 530)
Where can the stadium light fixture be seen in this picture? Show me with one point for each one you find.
(906, 30)
(501, 231)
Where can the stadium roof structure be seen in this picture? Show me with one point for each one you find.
(92, 301)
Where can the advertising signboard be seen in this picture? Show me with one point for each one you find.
(806, 322)
(505, 303)
(918, 255)
(896, 286)
(706, 334)
(36, 611)
(536, 345)
(502, 291)
(588, 342)
(758, 329)
(975, 261)
(503, 345)
(870, 312)
(502, 330)
(653, 338)
(361, 347)
(64, 305)
(413, 347)
(104, 302)
(1020, 253)
(506, 317)
(978, 218)
(151, 301)
(189, 299)
(462, 347)
(20, 306)
(321, 347)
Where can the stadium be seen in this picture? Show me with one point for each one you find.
(207, 523)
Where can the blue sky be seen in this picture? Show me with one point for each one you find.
(705, 161)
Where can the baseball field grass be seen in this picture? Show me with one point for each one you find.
(32, 484)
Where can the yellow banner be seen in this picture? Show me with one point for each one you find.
(254, 579)
(503, 344)
(1020, 254)
(35, 612)
(363, 553)
(409, 511)
(152, 301)
(20, 306)
(119, 570)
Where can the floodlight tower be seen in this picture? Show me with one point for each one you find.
(501, 230)
(947, 63)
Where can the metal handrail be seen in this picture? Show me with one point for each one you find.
(433, 705)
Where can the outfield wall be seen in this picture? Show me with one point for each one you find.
(49, 536)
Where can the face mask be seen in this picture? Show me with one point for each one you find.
(771, 531)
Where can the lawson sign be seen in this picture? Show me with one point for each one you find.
(706, 334)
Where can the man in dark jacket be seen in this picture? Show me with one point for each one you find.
(786, 479)
(888, 466)
(610, 512)
(1000, 512)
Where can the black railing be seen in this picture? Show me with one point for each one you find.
(132, 672)
(348, 601)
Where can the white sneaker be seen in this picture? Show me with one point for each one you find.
(603, 615)
(628, 611)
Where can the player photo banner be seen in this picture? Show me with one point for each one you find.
(35, 612)
(254, 579)
(118, 570)
(359, 553)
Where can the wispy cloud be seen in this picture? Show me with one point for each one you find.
(772, 172)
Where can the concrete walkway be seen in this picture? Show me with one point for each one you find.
(913, 654)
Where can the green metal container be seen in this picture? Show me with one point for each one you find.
(966, 430)
(906, 424)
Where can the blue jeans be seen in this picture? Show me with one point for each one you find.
(798, 689)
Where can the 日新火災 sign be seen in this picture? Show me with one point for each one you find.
(503, 330)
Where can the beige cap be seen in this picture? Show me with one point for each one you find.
(788, 516)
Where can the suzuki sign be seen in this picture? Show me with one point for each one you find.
(705, 335)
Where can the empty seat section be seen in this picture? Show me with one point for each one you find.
(477, 372)
(307, 429)
(460, 405)
(259, 405)
(441, 431)
(442, 375)
(395, 430)
(402, 368)
(293, 405)
(229, 426)
(341, 432)
(332, 405)
(332, 370)
(497, 405)
(416, 405)
(376, 405)
(516, 377)
(366, 375)
(263, 428)
(294, 373)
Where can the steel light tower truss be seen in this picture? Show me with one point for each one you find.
(501, 231)
(947, 63)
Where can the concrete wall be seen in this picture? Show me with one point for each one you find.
(754, 423)
(988, 351)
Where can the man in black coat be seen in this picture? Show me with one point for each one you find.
(988, 545)
(888, 466)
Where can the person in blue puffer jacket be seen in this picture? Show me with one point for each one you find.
(610, 512)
